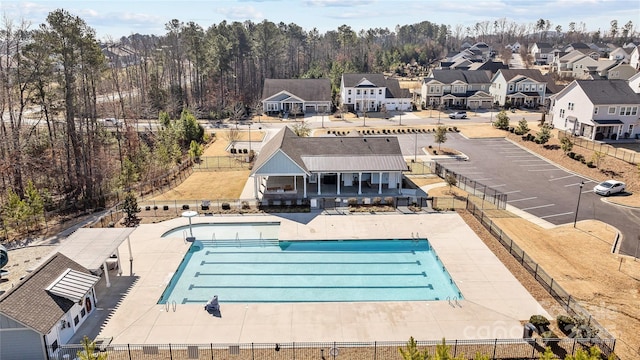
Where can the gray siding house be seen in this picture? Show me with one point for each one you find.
(296, 96)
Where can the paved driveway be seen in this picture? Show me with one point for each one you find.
(533, 184)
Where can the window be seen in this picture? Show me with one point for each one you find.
(595, 110)
(561, 113)
(571, 106)
(76, 320)
(54, 346)
(541, 87)
(634, 110)
(349, 91)
(83, 312)
(379, 91)
(358, 92)
(348, 100)
(371, 92)
(431, 89)
(630, 129)
(612, 110)
(625, 110)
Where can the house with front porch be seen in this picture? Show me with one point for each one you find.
(289, 166)
(597, 109)
(520, 87)
(457, 88)
(296, 96)
(373, 92)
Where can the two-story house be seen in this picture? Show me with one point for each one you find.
(584, 68)
(634, 58)
(542, 53)
(620, 54)
(370, 92)
(563, 64)
(457, 88)
(520, 87)
(597, 109)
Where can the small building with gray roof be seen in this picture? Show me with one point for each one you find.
(289, 165)
(45, 309)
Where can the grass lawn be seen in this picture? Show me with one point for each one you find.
(208, 185)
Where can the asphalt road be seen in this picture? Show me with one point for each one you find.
(533, 184)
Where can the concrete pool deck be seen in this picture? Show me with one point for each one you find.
(494, 302)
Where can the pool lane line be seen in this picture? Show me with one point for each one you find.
(197, 274)
(429, 286)
(308, 263)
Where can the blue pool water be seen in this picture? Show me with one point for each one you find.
(263, 270)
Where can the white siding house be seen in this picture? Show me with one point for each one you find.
(597, 109)
(522, 87)
(370, 92)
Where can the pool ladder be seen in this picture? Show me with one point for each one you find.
(453, 301)
(171, 304)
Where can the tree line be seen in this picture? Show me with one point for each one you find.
(57, 81)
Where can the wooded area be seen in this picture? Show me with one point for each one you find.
(57, 84)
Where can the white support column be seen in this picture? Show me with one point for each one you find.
(304, 184)
(295, 183)
(119, 264)
(380, 184)
(400, 182)
(359, 183)
(319, 181)
(338, 182)
(130, 257)
(106, 273)
(256, 189)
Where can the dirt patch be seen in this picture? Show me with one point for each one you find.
(478, 131)
(422, 180)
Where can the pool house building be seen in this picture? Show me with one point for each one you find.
(289, 166)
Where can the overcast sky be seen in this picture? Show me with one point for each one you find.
(116, 18)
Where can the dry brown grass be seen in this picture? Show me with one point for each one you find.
(424, 180)
(476, 131)
(208, 185)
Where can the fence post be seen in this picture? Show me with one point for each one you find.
(129, 350)
(455, 348)
(495, 345)
(375, 350)
(252, 353)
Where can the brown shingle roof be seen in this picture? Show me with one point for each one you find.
(31, 305)
(306, 89)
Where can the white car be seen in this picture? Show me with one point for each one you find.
(609, 187)
(458, 115)
(112, 122)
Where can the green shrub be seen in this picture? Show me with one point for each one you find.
(376, 201)
(540, 322)
(590, 164)
(565, 323)
(226, 206)
(571, 155)
(578, 157)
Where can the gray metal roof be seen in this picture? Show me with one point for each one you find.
(73, 285)
(467, 76)
(354, 163)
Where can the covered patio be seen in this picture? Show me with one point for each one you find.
(97, 249)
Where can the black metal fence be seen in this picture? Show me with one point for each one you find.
(473, 187)
(621, 153)
(241, 161)
(553, 288)
(383, 350)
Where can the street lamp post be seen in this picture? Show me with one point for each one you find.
(578, 204)
(249, 139)
(415, 152)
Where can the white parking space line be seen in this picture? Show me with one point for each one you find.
(545, 164)
(518, 156)
(537, 207)
(484, 179)
(554, 215)
(512, 192)
(546, 169)
(524, 199)
(527, 160)
(562, 177)
(576, 184)
(495, 186)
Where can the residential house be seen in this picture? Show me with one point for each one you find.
(119, 55)
(634, 58)
(46, 309)
(584, 68)
(563, 64)
(289, 166)
(597, 109)
(521, 87)
(489, 65)
(600, 47)
(515, 47)
(634, 83)
(457, 88)
(576, 46)
(542, 53)
(620, 54)
(620, 71)
(373, 92)
(296, 96)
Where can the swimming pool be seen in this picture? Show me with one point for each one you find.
(261, 270)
